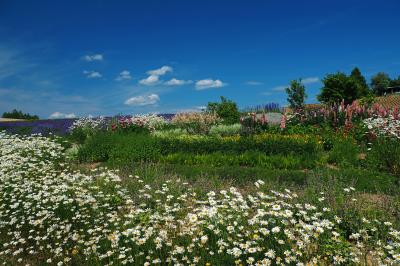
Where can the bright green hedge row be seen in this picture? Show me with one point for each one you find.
(120, 147)
(266, 143)
(244, 159)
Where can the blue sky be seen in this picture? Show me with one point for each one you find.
(65, 58)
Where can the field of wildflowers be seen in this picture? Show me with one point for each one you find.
(319, 188)
(55, 215)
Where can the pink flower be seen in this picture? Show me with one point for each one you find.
(283, 122)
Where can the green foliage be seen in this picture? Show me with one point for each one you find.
(339, 86)
(385, 156)
(249, 158)
(380, 83)
(226, 109)
(170, 132)
(79, 135)
(296, 95)
(344, 152)
(360, 79)
(225, 130)
(395, 82)
(267, 143)
(15, 114)
(368, 100)
(119, 148)
(134, 148)
(97, 148)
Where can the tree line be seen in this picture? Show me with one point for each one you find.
(15, 114)
(339, 86)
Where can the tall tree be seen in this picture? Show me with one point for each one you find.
(338, 87)
(296, 95)
(380, 83)
(357, 76)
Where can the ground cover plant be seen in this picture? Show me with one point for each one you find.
(53, 214)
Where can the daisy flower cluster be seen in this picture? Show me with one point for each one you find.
(52, 215)
(383, 126)
(89, 123)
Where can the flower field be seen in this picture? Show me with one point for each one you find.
(319, 188)
(55, 215)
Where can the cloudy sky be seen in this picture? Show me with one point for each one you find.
(75, 58)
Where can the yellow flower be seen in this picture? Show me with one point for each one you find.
(74, 251)
(208, 264)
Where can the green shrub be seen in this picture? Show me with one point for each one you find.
(135, 148)
(97, 147)
(173, 132)
(245, 159)
(344, 152)
(266, 143)
(385, 156)
(225, 130)
(119, 148)
(226, 109)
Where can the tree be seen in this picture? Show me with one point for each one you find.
(15, 114)
(395, 82)
(339, 86)
(226, 109)
(359, 78)
(296, 95)
(380, 83)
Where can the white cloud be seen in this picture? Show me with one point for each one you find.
(143, 100)
(124, 75)
(150, 80)
(161, 71)
(253, 82)
(57, 115)
(177, 82)
(92, 74)
(154, 75)
(280, 88)
(209, 83)
(95, 57)
(310, 80)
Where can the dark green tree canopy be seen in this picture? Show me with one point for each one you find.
(357, 76)
(226, 109)
(15, 114)
(380, 83)
(339, 86)
(296, 95)
(395, 82)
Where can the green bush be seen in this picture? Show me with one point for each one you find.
(245, 159)
(266, 143)
(97, 147)
(119, 148)
(225, 130)
(344, 152)
(385, 156)
(226, 109)
(172, 132)
(135, 148)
